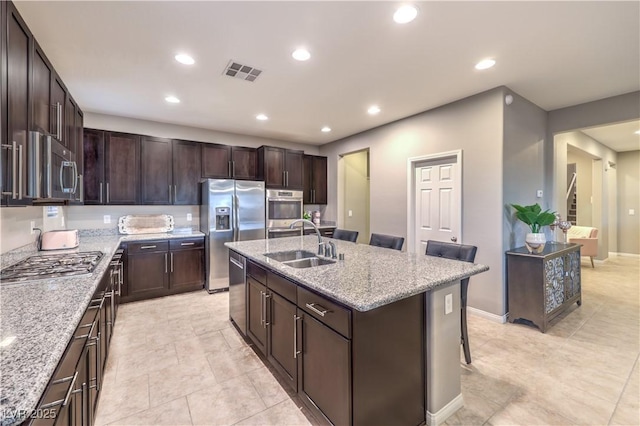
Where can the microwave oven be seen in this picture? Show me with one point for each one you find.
(53, 173)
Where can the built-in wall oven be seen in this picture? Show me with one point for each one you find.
(283, 207)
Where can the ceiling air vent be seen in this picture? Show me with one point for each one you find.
(243, 72)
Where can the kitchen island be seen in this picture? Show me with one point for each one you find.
(364, 340)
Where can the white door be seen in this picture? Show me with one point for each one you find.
(437, 209)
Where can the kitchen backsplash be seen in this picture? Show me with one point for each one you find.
(15, 226)
(93, 217)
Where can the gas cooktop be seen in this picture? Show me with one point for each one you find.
(51, 266)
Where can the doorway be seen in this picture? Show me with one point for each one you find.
(354, 195)
(434, 200)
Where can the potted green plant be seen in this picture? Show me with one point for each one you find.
(536, 218)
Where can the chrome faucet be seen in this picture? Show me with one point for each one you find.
(330, 250)
(320, 242)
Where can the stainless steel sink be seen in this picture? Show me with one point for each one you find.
(284, 256)
(309, 262)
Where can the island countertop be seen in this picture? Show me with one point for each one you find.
(40, 316)
(368, 278)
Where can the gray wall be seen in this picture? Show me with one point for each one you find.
(15, 225)
(474, 125)
(628, 168)
(356, 194)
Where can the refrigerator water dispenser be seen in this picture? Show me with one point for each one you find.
(223, 216)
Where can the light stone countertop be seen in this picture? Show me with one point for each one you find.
(368, 278)
(43, 315)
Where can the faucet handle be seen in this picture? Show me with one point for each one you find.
(320, 246)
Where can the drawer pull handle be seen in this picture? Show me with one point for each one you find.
(147, 247)
(320, 311)
(187, 244)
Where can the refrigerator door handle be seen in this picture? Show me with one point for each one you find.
(235, 217)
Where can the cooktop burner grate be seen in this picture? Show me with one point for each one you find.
(52, 266)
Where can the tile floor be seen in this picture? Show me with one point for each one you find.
(177, 361)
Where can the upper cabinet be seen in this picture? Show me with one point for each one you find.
(169, 171)
(280, 168)
(315, 179)
(111, 166)
(33, 97)
(229, 162)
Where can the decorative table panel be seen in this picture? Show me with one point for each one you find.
(541, 286)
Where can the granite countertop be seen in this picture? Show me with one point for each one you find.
(42, 315)
(368, 278)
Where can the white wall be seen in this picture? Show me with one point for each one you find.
(474, 125)
(15, 225)
(628, 169)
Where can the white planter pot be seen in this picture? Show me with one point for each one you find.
(535, 242)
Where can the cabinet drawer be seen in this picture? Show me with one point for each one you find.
(257, 272)
(148, 247)
(282, 286)
(186, 243)
(326, 311)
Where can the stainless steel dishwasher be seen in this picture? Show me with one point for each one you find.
(238, 291)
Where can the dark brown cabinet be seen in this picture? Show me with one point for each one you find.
(257, 313)
(41, 101)
(315, 179)
(79, 154)
(17, 58)
(161, 267)
(280, 168)
(155, 171)
(282, 349)
(169, 171)
(229, 162)
(111, 167)
(58, 102)
(187, 172)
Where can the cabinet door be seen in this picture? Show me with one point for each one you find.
(58, 101)
(69, 123)
(324, 374)
(93, 158)
(79, 151)
(554, 283)
(18, 64)
(216, 161)
(294, 169)
(307, 168)
(156, 183)
(244, 163)
(282, 320)
(186, 173)
(320, 180)
(273, 167)
(41, 103)
(572, 274)
(256, 310)
(148, 274)
(122, 160)
(186, 269)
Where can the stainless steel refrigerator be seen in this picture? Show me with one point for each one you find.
(231, 210)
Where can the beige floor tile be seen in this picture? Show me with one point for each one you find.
(526, 412)
(233, 338)
(476, 411)
(123, 400)
(286, 413)
(179, 380)
(233, 363)
(173, 413)
(138, 363)
(226, 403)
(267, 386)
(213, 342)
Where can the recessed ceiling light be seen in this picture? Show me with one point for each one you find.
(261, 117)
(637, 132)
(326, 129)
(485, 64)
(405, 14)
(185, 59)
(373, 110)
(172, 100)
(301, 54)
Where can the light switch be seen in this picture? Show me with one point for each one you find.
(632, 212)
(189, 217)
(539, 193)
(107, 218)
(62, 221)
(350, 213)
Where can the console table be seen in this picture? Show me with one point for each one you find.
(543, 285)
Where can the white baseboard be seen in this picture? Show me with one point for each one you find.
(436, 419)
(487, 315)
(624, 254)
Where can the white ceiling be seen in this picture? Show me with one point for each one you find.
(619, 137)
(117, 58)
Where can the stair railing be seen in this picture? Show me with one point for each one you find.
(571, 186)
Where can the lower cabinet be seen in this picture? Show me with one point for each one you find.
(324, 231)
(72, 393)
(348, 367)
(158, 268)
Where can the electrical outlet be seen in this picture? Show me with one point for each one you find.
(539, 193)
(350, 213)
(189, 217)
(107, 218)
(33, 225)
(632, 212)
(448, 303)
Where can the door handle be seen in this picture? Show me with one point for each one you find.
(262, 308)
(20, 165)
(175, 194)
(169, 194)
(107, 192)
(100, 192)
(235, 262)
(165, 264)
(171, 262)
(229, 169)
(296, 352)
(454, 239)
